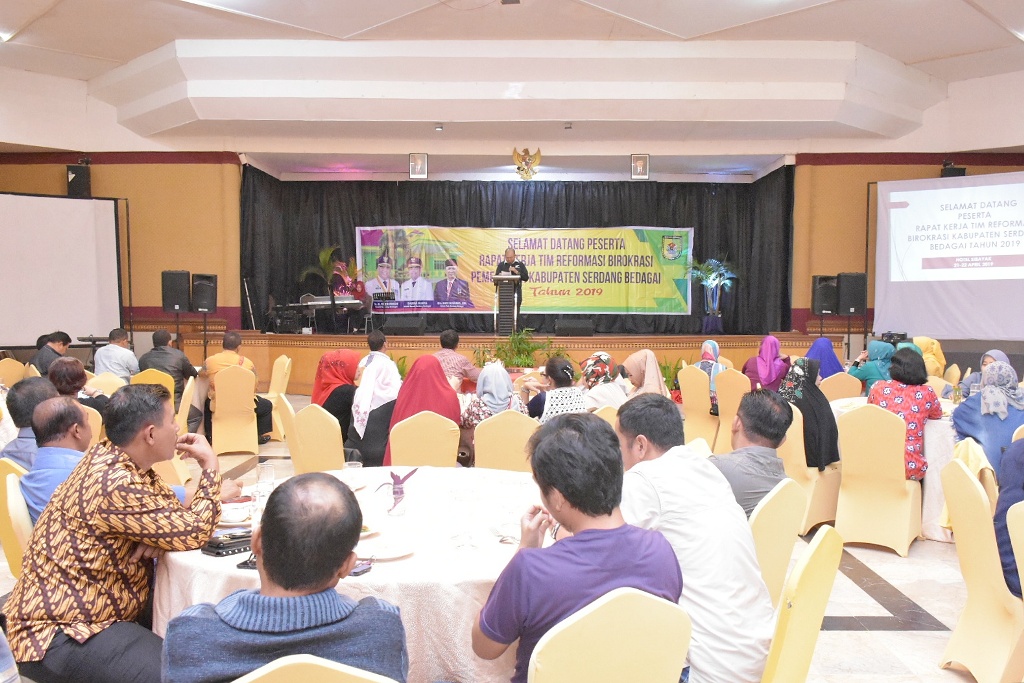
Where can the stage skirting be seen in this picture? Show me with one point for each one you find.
(305, 350)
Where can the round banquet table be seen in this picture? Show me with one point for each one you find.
(461, 526)
(938, 449)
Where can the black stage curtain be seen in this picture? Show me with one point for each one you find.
(285, 224)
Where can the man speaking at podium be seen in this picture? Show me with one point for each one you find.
(513, 266)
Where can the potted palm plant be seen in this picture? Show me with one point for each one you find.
(715, 277)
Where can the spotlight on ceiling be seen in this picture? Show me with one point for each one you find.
(439, 126)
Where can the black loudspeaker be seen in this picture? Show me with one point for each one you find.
(405, 325)
(79, 182)
(853, 293)
(204, 293)
(574, 328)
(175, 291)
(824, 297)
(952, 172)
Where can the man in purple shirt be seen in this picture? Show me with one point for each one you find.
(577, 465)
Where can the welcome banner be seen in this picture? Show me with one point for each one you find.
(572, 270)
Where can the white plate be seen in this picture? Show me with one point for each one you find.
(235, 513)
(383, 550)
(370, 531)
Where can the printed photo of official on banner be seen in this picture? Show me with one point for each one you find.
(619, 270)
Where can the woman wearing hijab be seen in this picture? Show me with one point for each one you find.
(991, 416)
(644, 374)
(828, 362)
(494, 394)
(906, 395)
(372, 405)
(910, 345)
(601, 389)
(934, 360)
(975, 377)
(425, 389)
(709, 363)
(873, 362)
(821, 435)
(769, 367)
(334, 385)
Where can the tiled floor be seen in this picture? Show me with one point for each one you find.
(888, 620)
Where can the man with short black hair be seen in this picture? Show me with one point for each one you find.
(62, 433)
(378, 344)
(669, 488)
(175, 363)
(57, 345)
(754, 467)
(87, 571)
(303, 547)
(456, 366)
(227, 358)
(577, 466)
(22, 399)
(116, 357)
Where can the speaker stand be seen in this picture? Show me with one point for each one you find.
(177, 329)
(205, 340)
(849, 333)
(821, 326)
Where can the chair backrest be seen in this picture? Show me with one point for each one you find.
(108, 383)
(952, 374)
(938, 384)
(95, 422)
(279, 376)
(792, 450)
(700, 447)
(695, 390)
(802, 608)
(1015, 525)
(310, 669)
(15, 523)
(31, 371)
(187, 393)
(726, 362)
(500, 441)
(608, 413)
(841, 385)
(594, 644)
(730, 386)
(322, 447)
(425, 438)
(8, 466)
(11, 372)
(872, 441)
(154, 376)
(531, 375)
(775, 523)
(1018, 433)
(236, 388)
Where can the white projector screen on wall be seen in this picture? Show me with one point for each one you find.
(60, 268)
(950, 257)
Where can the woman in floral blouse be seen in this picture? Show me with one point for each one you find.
(907, 395)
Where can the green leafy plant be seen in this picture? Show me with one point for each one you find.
(715, 276)
(520, 350)
(670, 371)
(402, 362)
(324, 269)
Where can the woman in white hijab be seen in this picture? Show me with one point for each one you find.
(378, 387)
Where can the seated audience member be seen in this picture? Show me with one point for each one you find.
(425, 389)
(303, 547)
(62, 433)
(1011, 492)
(227, 358)
(975, 377)
(456, 366)
(769, 367)
(601, 389)
(68, 375)
(907, 395)
(378, 344)
(821, 435)
(872, 365)
(561, 396)
(828, 362)
(578, 468)
(709, 364)
(372, 406)
(910, 345)
(753, 468)
(175, 363)
(934, 359)
(669, 488)
(56, 346)
(334, 385)
(494, 394)
(644, 374)
(991, 416)
(87, 571)
(116, 357)
(22, 399)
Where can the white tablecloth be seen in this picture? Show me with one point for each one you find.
(938, 450)
(453, 523)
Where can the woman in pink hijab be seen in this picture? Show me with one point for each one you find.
(768, 368)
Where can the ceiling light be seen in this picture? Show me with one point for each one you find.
(568, 125)
(439, 126)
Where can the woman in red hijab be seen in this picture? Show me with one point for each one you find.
(334, 385)
(425, 388)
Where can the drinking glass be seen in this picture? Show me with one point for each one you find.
(975, 388)
(265, 478)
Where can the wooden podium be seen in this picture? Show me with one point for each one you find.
(505, 309)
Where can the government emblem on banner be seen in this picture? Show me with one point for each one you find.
(670, 247)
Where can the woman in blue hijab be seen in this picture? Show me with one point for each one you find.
(821, 350)
(873, 363)
(975, 377)
(992, 415)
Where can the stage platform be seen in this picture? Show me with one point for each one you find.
(305, 350)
